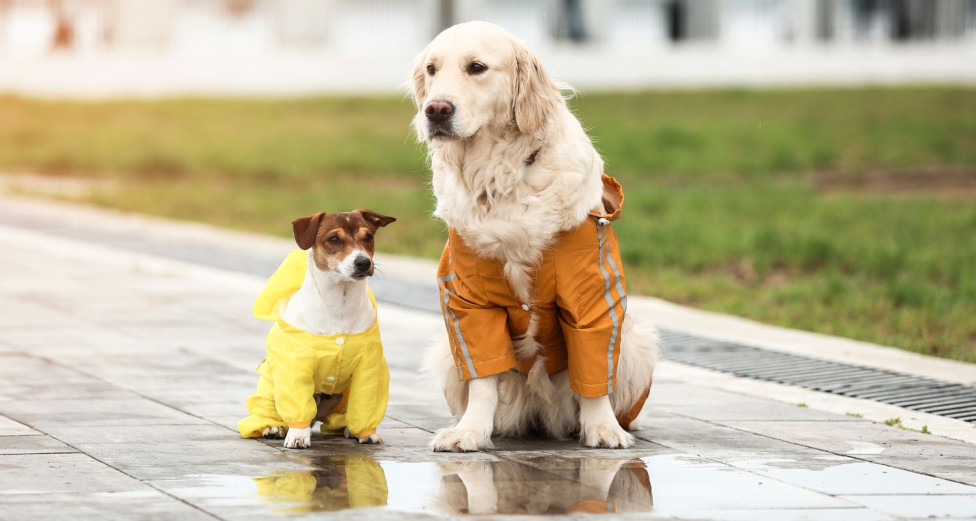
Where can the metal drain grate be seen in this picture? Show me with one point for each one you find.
(911, 392)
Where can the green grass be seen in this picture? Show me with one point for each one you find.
(726, 206)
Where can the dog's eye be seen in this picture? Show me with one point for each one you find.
(431, 69)
(334, 239)
(476, 68)
(368, 238)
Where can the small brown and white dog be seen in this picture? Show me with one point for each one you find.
(324, 359)
(513, 169)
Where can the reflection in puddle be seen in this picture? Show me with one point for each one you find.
(550, 485)
(342, 482)
(510, 487)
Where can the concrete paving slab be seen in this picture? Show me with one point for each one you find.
(920, 507)
(911, 450)
(838, 475)
(797, 514)
(33, 444)
(131, 506)
(709, 404)
(34, 474)
(706, 439)
(10, 427)
(82, 412)
(173, 451)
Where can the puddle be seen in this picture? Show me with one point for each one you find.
(544, 483)
(463, 487)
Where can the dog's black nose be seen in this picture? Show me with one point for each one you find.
(439, 111)
(362, 264)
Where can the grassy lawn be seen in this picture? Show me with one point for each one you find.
(848, 212)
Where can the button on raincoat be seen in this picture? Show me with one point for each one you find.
(578, 295)
(299, 365)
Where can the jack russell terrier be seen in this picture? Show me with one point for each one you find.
(324, 357)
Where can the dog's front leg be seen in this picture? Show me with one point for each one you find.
(599, 427)
(473, 432)
(298, 438)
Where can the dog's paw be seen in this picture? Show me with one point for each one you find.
(298, 438)
(455, 439)
(372, 438)
(274, 432)
(607, 436)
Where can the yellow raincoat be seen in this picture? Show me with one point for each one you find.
(344, 482)
(299, 365)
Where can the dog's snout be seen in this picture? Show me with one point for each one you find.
(362, 264)
(439, 111)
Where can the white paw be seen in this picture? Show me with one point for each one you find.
(298, 438)
(607, 436)
(273, 432)
(456, 439)
(372, 438)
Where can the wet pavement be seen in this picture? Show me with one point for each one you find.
(122, 376)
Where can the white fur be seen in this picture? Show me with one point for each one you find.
(298, 438)
(507, 209)
(329, 302)
(473, 431)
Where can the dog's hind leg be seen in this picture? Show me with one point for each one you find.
(639, 351)
(473, 431)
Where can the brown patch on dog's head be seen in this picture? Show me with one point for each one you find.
(334, 236)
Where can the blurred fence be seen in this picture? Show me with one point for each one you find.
(36, 27)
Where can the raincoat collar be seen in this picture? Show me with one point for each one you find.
(613, 200)
(283, 284)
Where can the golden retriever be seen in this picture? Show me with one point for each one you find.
(513, 170)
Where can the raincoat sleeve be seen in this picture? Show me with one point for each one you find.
(293, 375)
(368, 393)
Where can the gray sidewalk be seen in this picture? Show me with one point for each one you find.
(123, 373)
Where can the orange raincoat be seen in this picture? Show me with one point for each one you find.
(578, 294)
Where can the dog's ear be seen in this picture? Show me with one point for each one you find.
(418, 86)
(306, 229)
(534, 94)
(376, 220)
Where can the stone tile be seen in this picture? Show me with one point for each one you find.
(35, 444)
(174, 451)
(81, 412)
(689, 487)
(837, 475)
(82, 337)
(148, 505)
(904, 449)
(20, 368)
(313, 494)
(34, 474)
(714, 405)
(717, 441)
(44, 390)
(803, 514)
(919, 506)
(10, 427)
(27, 313)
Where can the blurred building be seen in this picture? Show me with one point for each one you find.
(605, 34)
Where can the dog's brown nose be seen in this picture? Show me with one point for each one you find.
(439, 111)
